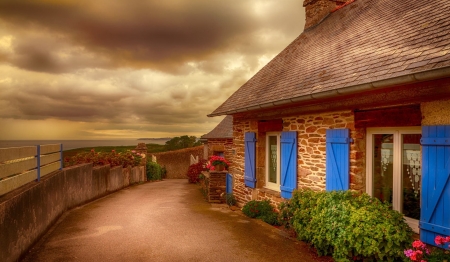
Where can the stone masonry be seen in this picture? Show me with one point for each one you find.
(311, 131)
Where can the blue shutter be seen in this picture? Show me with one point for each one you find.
(229, 184)
(288, 163)
(250, 157)
(435, 195)
(338, 159)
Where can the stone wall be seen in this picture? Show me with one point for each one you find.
(214, 186)
(29, 211)
(311, 131)
(177, 162)
(317, 10)
(436, 113)
(223, 145)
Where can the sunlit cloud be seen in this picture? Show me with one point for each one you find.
(99, 69)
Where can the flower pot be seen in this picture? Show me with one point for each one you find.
(219, 167)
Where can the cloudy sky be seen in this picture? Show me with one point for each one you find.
(112, 69)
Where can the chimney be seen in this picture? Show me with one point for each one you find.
(317, 10)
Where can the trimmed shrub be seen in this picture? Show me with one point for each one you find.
(349, 226)
(261, 209)
(271, 218)
(153, 171)
(195, 170)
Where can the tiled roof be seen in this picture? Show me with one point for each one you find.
(364, 42)
(223, 130)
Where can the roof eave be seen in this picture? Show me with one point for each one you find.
(400, 80)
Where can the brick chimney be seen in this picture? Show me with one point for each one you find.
(317, 10)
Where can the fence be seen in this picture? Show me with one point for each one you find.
(21, 165)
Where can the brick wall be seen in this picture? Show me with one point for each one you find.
(177, 162)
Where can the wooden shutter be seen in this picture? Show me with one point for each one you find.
(250, 157)
(338, 159)
(435, 195)
(288, 163)
(229, 184)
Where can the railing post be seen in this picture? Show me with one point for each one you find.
(38, 163)
(61, 157)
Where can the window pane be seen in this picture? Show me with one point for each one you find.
(273, 151)
(383, 166)
(411, 175)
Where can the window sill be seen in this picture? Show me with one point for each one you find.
(270, 191)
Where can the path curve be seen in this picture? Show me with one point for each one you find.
(163, 221)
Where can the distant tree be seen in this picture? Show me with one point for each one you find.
(180, 142)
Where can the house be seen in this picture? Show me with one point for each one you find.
(219, 141)
(359, 101)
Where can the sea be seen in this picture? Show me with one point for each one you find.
(72, 144)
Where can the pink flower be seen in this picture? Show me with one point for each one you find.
(408, 252)
(418, 244)
(439, 240)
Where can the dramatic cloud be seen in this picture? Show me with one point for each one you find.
(132, 68)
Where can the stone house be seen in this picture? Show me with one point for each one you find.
(360, 101)
(219, 141)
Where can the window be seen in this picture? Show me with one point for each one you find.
(273, 161)
(394, 169)
(219, 153)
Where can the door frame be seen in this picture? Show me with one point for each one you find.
(397, 168)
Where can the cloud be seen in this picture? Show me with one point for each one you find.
(161, 35)
(120, 67)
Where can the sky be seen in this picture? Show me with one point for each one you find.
(112, 69)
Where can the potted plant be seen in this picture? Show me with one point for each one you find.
(217, 163)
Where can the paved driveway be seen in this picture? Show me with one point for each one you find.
(163, 221)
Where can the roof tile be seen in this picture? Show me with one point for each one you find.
(223, 130)
(375, 40)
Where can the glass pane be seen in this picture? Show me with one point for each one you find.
(411, 175)
(273, 148)
(383, 166)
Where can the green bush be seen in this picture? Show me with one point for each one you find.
(153, 171)
(348, 226)
(261, 209)
(271, 218)
(230, 199)
(302, 201)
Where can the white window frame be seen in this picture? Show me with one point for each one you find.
(397, 168)
(270, 185)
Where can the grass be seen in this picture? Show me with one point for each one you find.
(151, 148)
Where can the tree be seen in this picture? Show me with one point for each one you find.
(180, 142)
